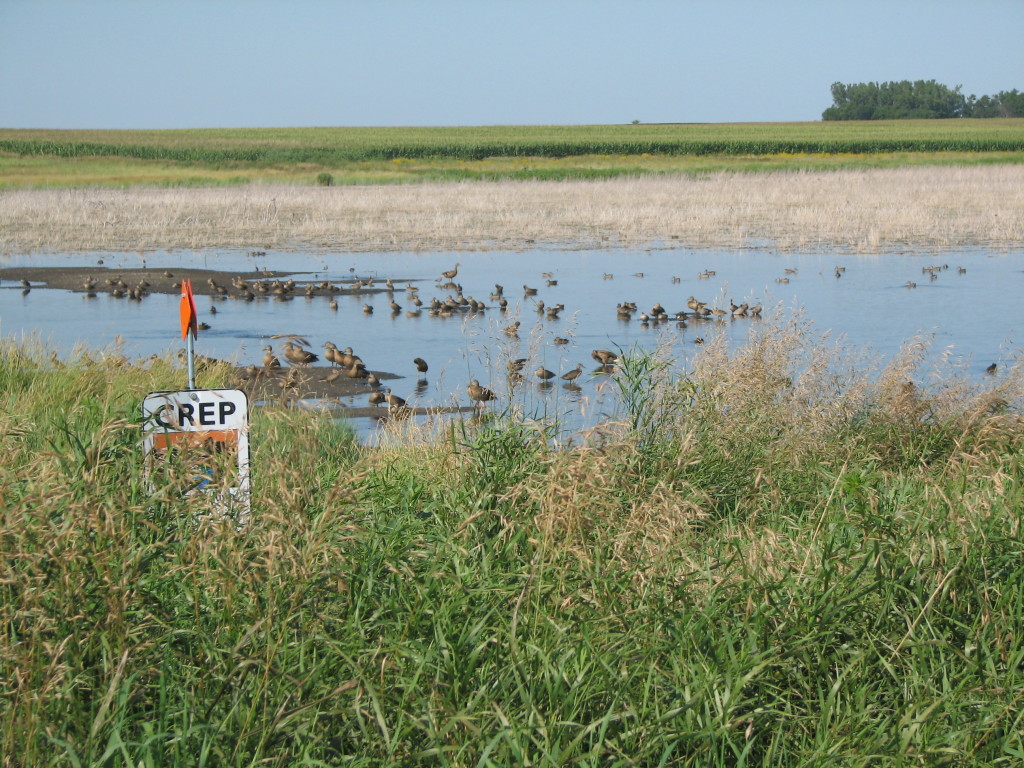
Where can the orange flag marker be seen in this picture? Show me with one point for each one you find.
(187, 310)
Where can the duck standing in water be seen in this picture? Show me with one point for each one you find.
(421, 367)
(574, 374)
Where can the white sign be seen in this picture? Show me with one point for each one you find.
(212, 426)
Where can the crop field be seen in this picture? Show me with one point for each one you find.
(380, 155)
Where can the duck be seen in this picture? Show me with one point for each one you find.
(574, 374)
(479, 393)
(331, 353)
(394, 401)
(421, 366)
(357, 370)
(991, 370)
(449, 274)
(346, 357)
(269, 359)
(299, 356)
(544, 374)
(515, 365)
(604, 356)
(333, 375)
(377, 398)
(290, 381)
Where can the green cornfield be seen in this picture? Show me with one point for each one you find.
(332, 145)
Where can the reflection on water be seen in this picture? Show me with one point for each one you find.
(965, 301)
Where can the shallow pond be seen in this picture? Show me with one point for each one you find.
(971, 307)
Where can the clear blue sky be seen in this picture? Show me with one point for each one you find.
(235, 63)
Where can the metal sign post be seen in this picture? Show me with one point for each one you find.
(189, 328)
(208, 430)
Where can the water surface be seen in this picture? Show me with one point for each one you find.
(969, 308)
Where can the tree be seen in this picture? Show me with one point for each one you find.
(894, 100)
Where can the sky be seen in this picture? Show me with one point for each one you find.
(257, 63)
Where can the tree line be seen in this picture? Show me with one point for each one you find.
(918, 99)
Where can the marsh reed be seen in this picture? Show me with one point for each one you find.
(863, 211)
(782, 557)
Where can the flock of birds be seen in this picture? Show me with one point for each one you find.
(346, 363)
(293, 373)
(298, 356)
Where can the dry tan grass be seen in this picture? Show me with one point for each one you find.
(857, 210)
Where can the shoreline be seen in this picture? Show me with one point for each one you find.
(859, 211)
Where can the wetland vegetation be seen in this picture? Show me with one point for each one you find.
(763, 562)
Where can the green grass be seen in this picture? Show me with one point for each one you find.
(382, 155)
(771, 563)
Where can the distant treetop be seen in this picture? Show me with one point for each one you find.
(918, 99)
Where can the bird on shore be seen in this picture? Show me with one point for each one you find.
(478, 393)
(290, 382)
(394, 402)
(357, 370)
(346, 357)
(333, 375)
(331, 353)
(299, 356)
(269, 359)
